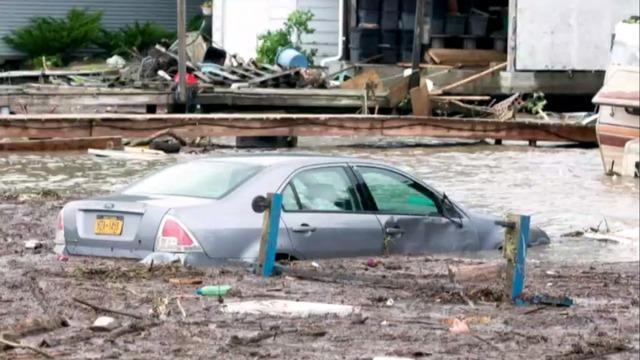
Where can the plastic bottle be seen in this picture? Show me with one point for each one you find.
(214, 290)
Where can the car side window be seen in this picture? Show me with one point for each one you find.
(321, 189)
(397, 194)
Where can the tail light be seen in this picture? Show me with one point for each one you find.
(174, 237)
(59, 239)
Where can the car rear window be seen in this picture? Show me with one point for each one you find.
(206, 179)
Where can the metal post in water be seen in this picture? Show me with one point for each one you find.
(514, 251)
(417, 44)
(182, 51)
(272, 205)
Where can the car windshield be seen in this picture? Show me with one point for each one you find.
(206, 179)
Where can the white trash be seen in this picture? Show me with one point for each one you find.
(116, 62)
(288, 308)
(104, 323)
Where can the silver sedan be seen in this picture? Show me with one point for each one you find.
(200, 212)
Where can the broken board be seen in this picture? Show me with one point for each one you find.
(466, 57)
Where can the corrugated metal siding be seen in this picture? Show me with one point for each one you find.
(16, 13)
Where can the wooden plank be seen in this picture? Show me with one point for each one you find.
(420, 102)
(474, 273)
(194, 125)
(43, 73)
(360, 81)
(466, 57)
(471, 78)
(64, 144)
(426, 66)
(461, 98)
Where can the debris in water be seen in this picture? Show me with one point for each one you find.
(459, 327)
(32, 244)
(104, 324)
(289, 308)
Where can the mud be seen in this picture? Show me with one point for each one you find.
(38, 288)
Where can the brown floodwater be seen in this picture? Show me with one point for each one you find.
(563, 189)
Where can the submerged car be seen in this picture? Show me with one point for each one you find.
(201, 211)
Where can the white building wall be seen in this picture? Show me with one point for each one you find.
(237, 23)
(567, 34)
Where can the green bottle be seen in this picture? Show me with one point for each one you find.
(214, 290)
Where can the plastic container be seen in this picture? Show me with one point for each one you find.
(363, 38)
(358, 54)
(291, 58)
(390, 5)
(406, 40)
(369, 17)
(407, 20)
(478, 24)
(389, 20)
(389, 54)
(406, 55)
(213, 290)
(390, 38)
(369, 5)
(500, 43)
(455, 25)
(437, 26)
(408, 6)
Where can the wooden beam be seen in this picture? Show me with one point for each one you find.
(64, 144)
(466, 57)
(43, 73)
(195, 125)
(470, 78)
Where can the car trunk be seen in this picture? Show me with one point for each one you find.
(120, 226)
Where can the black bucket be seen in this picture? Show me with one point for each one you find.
(365, 38)
(369, 17)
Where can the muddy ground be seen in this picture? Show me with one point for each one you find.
(37, 306)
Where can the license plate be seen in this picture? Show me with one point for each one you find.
(109, 225)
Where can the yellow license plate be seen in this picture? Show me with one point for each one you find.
(109, 225)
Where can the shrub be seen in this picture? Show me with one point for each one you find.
(57, 37)
(270, 42)
(136, 38)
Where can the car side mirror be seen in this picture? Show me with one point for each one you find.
(260, 203)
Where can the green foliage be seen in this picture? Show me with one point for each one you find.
(56, 37)
(633, 20)
(195, 23)
(534, 104)
(270, 42)
(136, 38)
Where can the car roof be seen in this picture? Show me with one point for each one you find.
(298, 159)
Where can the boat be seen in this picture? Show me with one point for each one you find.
(618, 126)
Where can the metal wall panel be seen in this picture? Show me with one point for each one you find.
(16, 13)
(567, 34)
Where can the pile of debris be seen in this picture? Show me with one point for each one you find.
(207, 65)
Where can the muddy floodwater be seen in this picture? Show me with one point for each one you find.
(564, 189)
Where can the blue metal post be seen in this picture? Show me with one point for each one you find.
(272, 241)
(521, 255)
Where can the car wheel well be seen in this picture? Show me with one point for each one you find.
(285, 257)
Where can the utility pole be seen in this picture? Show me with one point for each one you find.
(182, 51)
(417, 44)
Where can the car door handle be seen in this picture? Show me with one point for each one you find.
(303, 228)
(393, 231)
